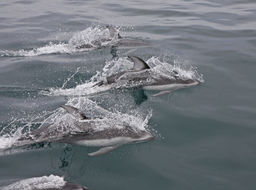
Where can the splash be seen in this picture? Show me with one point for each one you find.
(50, 48)
(7, 141)
(183, 71)
(93, 37)
(86, 40)
(45, 182)
(158, 69)
(17, 127)
(88, 88)
(106, 119)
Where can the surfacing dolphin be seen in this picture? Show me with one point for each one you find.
(108, 138)
(114, 39)
(141, 76)
(50, 182)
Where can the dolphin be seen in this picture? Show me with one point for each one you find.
(114, 40)
(51, 182)
(108, 139)
(141, 76)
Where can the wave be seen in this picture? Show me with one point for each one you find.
(44, 182)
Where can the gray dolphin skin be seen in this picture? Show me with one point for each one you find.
(118, 42)
(108, 138)
(141, 76)
(43, 183)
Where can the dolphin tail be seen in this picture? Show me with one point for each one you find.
(103, 150)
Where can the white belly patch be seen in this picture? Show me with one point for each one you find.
(105, 142)
(169, 86)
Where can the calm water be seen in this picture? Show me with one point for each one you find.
(206, 135)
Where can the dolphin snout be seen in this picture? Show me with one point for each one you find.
(149, 136)
(198, 81)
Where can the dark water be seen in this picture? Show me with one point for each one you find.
(206, 134)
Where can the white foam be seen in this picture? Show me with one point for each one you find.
(98, 34)
(50, 48)
(7, 142)
(18, 127)
(108, 118)
(162, 68)
(45, 182)
(82, 89)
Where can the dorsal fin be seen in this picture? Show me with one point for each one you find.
(74, 111)
(139, 64)
(112, 31)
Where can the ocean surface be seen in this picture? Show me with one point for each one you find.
(205, 135)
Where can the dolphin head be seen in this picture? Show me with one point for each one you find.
(176, 75)
(70, 186)
(138, 135)
(145, 136)
(188, 82)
